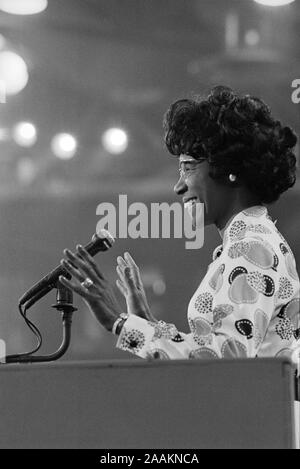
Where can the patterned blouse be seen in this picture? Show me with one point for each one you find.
(247, 305)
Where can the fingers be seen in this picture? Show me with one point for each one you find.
(126, 278)
(84, 268)
(135, 269)
(121, 263)
(72, 270)
(128, 262)
(76, 286)
(69, 284)
(125, 273)
(121, 282)
(129, 279)
(129, 259)
(85, 255)
(121, 274)
(121, 287)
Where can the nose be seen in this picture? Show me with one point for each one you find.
(181, 187)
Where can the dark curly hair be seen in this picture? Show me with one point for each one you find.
(237, 134)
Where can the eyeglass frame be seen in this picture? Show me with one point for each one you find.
(183, 172)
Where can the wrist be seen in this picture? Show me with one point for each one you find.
(119, 323)
(120, 326)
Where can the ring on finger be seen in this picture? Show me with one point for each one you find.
(87, 283)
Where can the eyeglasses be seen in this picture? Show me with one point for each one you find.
(188, 166)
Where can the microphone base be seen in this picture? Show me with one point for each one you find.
(64, 304)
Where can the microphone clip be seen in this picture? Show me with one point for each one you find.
(64, 299)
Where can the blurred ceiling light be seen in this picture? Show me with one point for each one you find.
(252, 37)
(23, 7)
(274, 3)
(115, 140)
(25, 134)
(64, 146)
(13, 72)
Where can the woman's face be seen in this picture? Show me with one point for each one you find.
(196, 185)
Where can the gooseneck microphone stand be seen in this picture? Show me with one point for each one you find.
(101, 241)
(64, 304)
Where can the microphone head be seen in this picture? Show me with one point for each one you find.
(105, 236)
(101, 241)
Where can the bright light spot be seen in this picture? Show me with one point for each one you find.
(115, 141)
(64, 146)
(25, 134)
(13, 72)
(274, 3)
(252, 37)
(23, 7)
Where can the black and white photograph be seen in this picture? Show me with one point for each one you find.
(149, 227)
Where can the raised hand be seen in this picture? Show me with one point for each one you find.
(91, 285)
(131, 286)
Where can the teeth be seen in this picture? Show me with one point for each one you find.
(190, 202)
(189, 206)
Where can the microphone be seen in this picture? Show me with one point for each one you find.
(100, 242)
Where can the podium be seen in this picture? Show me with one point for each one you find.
(185, 404)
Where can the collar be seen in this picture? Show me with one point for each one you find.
(249, 215)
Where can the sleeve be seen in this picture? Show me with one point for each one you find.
(230, 315)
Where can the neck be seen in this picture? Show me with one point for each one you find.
(239, 203)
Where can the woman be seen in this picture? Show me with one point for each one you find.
(233, 158)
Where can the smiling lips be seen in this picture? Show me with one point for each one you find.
(189, 204)
(188, 199)
(194, 207)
